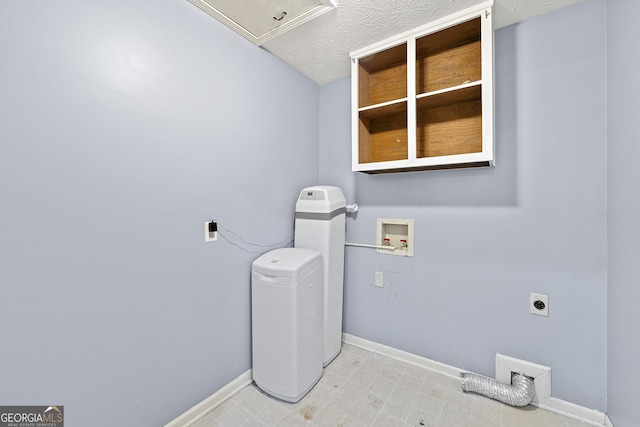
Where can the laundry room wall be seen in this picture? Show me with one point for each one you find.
(124, 125)
(623, 90)
(485, 239)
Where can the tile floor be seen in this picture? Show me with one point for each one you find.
(360, 388)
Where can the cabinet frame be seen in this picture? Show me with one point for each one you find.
(473, 100)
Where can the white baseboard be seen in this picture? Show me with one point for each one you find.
(210, 403)
(402, 356)
(580, 413)
(571, 410)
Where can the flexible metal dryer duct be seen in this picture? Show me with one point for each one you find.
(519, 393)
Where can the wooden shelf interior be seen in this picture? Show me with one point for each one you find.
(449, 123)
(448, 58)
(383, 133)
(383, 76)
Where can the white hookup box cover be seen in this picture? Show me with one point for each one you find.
(286, 262)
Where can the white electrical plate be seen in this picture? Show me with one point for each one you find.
(379, 279)
(541, 375)
(536, 301)
(209, 236)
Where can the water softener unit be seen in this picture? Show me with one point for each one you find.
(320, 226)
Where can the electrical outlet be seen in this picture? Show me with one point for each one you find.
(539, 305)
(210, 231)
(379, 281)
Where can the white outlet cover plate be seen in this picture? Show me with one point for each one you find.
(541, 375)
(539, 297)
(209, 237)
(379, 279)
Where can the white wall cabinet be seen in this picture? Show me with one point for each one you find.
(424, 99)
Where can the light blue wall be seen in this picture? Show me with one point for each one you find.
(487, 238)
(624, 214)
(124, 125)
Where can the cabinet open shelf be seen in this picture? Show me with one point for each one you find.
(424, 100)
(383, 76)
(449, 57)
(449, 123)
(448, 130)
(383, 133)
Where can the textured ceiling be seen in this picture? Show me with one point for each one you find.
(320, 48)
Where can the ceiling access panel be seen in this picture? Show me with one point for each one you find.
(262, 20)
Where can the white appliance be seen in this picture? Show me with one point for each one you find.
(286, 309)
(320, 226)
